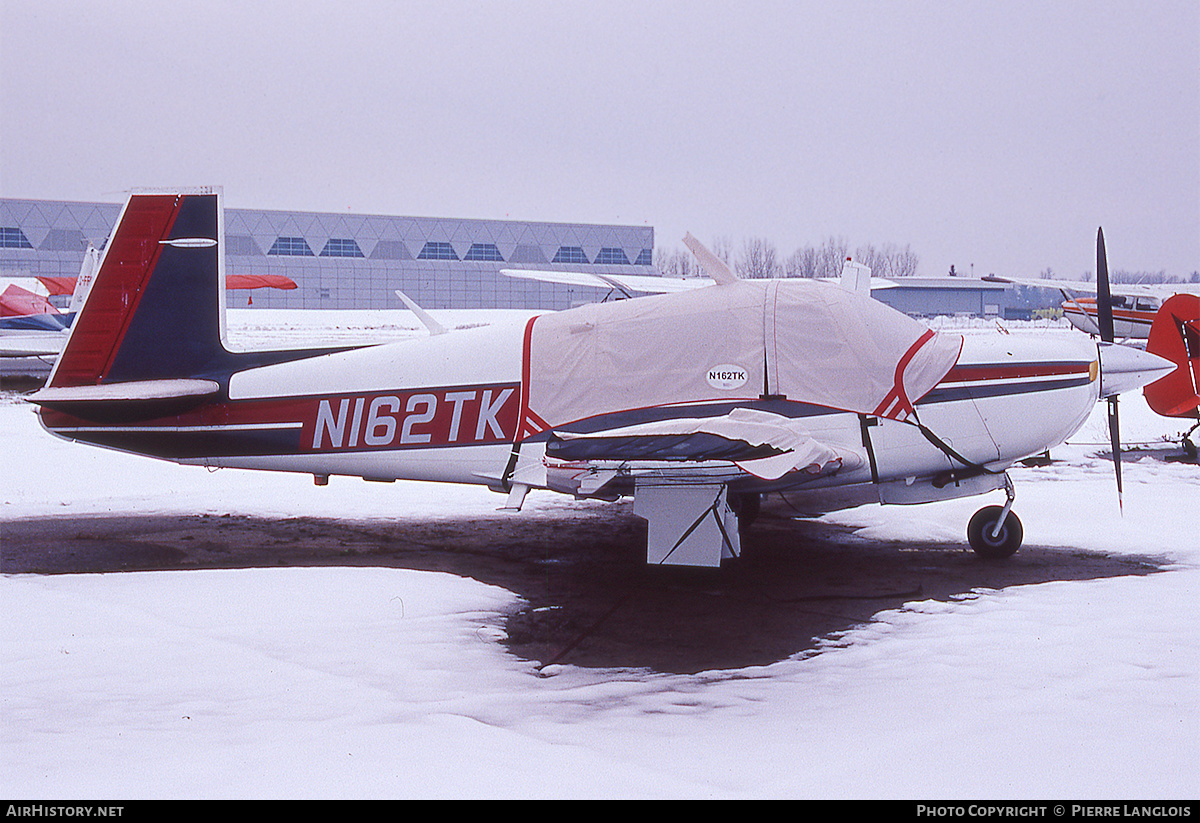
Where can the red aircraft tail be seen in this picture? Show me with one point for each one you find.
(149, 339)
(1175, 335)
(153, 310)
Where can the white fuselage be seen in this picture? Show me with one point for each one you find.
(444, 408)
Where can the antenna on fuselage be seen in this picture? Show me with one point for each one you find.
(434, 326)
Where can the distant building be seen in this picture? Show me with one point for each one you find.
(351, 261)
(953, 296)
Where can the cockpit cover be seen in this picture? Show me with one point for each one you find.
(808, 341)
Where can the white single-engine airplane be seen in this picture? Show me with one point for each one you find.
(1133, 307)
(694, 403)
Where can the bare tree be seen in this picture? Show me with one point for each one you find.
(904, 263)
(758, 260)
(801, 263)
(831, 257)
(662, 262)
(675, 263)
(888, 260)
(873, 258)
(722, 247)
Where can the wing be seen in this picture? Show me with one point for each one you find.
(32, 335)
(855, 277)
(34, 344)
(632, 285)
(629, 285)
(259, 281)
(761, 444)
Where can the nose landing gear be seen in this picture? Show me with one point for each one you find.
(995, 532)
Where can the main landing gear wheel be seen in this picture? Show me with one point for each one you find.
(746, 506)
(994, 546)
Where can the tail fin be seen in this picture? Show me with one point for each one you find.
(856, 277)
(1175, 335)
(83, 283)
(156, 307)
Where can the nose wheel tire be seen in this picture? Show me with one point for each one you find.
(998, 546)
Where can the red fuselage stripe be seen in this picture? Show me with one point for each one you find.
(1017, 371)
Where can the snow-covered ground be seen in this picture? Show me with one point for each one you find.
(359, 682)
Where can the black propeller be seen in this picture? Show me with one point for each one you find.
(1104, 316)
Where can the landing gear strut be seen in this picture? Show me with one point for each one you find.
(994, 532)
(746, 506)
(1189, 447)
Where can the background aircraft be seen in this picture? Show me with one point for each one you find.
(1163, 319)
(32, 326)
(695, 403)
(1174, 334)
(1134, 306)
(855, 277)
(37, 328)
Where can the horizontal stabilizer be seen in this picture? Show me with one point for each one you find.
(137, 399)
(124, 392)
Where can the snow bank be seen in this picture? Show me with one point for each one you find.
(387, 683)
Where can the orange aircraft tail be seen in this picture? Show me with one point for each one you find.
(1175, 335)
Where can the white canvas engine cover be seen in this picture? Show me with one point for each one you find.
(841, 349)
(809, 341)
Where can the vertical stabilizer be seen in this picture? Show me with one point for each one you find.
(1175, 335)
(856, 277)
(156, 307)
(83, 283)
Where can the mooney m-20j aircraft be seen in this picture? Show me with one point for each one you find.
(695, 403)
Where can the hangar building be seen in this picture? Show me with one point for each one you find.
(351, 261)
(934, 296)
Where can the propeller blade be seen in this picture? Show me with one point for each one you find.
(1104, 317)
(1103, 296)
(1114, 433)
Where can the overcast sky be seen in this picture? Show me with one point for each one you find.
(992, 136)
